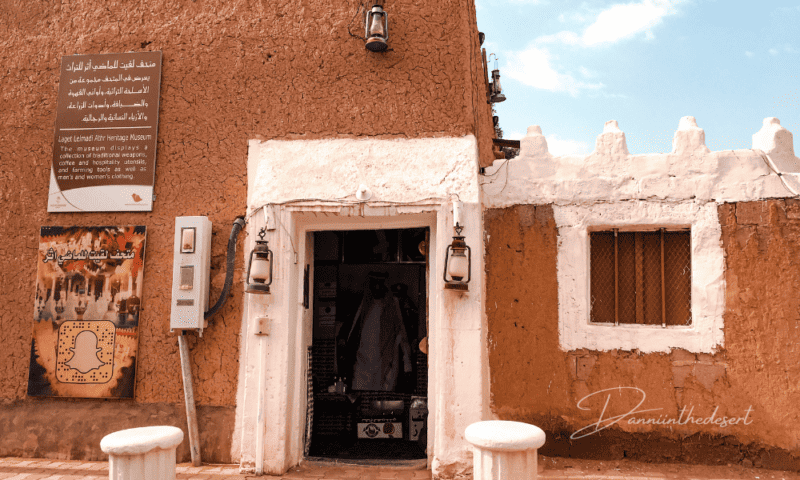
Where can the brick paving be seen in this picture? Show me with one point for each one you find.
(550, 469)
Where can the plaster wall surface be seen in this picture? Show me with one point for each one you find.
(536, 381)
(611, 188)
(394, 170)
(412, 183)
(747, 253)
(232, 71)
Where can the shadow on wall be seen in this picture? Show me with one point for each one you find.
(72, 429)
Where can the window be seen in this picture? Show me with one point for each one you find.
(641, 277)
(702, 270)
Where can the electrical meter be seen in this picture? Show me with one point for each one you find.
(191, 269)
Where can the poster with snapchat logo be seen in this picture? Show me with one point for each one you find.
(87, 312)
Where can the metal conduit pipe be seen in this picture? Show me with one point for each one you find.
(238, 225)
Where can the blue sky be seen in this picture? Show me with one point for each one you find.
(571, 65)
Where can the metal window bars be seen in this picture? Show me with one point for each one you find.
(641, 277)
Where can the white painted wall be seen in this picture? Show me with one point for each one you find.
(612, 188)
(395, 170)
(311, 186)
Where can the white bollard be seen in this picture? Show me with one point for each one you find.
(145, 453)
(504, 450)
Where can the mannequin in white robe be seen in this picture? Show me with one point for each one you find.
(381, 338)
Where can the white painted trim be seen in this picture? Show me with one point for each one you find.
(424, 217)
(708, 283)
(311, 186)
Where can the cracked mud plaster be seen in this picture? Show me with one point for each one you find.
(533, 380)
(232, 71)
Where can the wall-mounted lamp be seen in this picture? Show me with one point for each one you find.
(496, 90)
(458, 258)
(376, 23)
(259, 270)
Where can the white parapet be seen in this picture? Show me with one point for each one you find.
(533, 144)
(611, 141)
(611, 188)
(504, 450)
(144, 453)
(777, 142)
(689, 138)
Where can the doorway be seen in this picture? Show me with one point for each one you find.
(368, 362)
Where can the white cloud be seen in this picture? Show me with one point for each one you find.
(616, 23)
(773, 51)
(625, 20)
(533, 67)
(573, 17)
(587, 73)
(570, 38)
(564, 146)
(749, 53)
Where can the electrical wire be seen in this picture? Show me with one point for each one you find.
(360, 6)
(498, 169)
(342, 202)
(505, 181)
(348, 202)
(771, 165)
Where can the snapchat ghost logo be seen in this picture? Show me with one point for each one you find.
(84, 358)
(85, 352)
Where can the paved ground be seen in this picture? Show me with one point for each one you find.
(551, 469)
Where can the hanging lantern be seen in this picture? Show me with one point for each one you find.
(377, 28)
(259, 270)
(496, 89)
(457, 263)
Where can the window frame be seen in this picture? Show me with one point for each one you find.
(576, 331)
(662, 270)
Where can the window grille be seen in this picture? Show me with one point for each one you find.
(641, 277)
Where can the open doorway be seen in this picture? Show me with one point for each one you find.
(368, 363)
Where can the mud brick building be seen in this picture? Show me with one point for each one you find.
(664, 279)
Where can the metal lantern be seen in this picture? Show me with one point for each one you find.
(457, 263)
(259, 270)
(376, 28)
(497, 90)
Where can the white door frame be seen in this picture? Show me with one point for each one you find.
(273, 368)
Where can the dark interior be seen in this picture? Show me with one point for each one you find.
(385, 416)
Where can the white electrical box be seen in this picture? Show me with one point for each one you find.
(191, 268)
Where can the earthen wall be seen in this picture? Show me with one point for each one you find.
(534, 380)
(232, 71)
(718, 390)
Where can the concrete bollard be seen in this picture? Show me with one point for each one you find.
(145, 453)
(504, 450)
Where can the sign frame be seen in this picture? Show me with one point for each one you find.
(106, 133)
